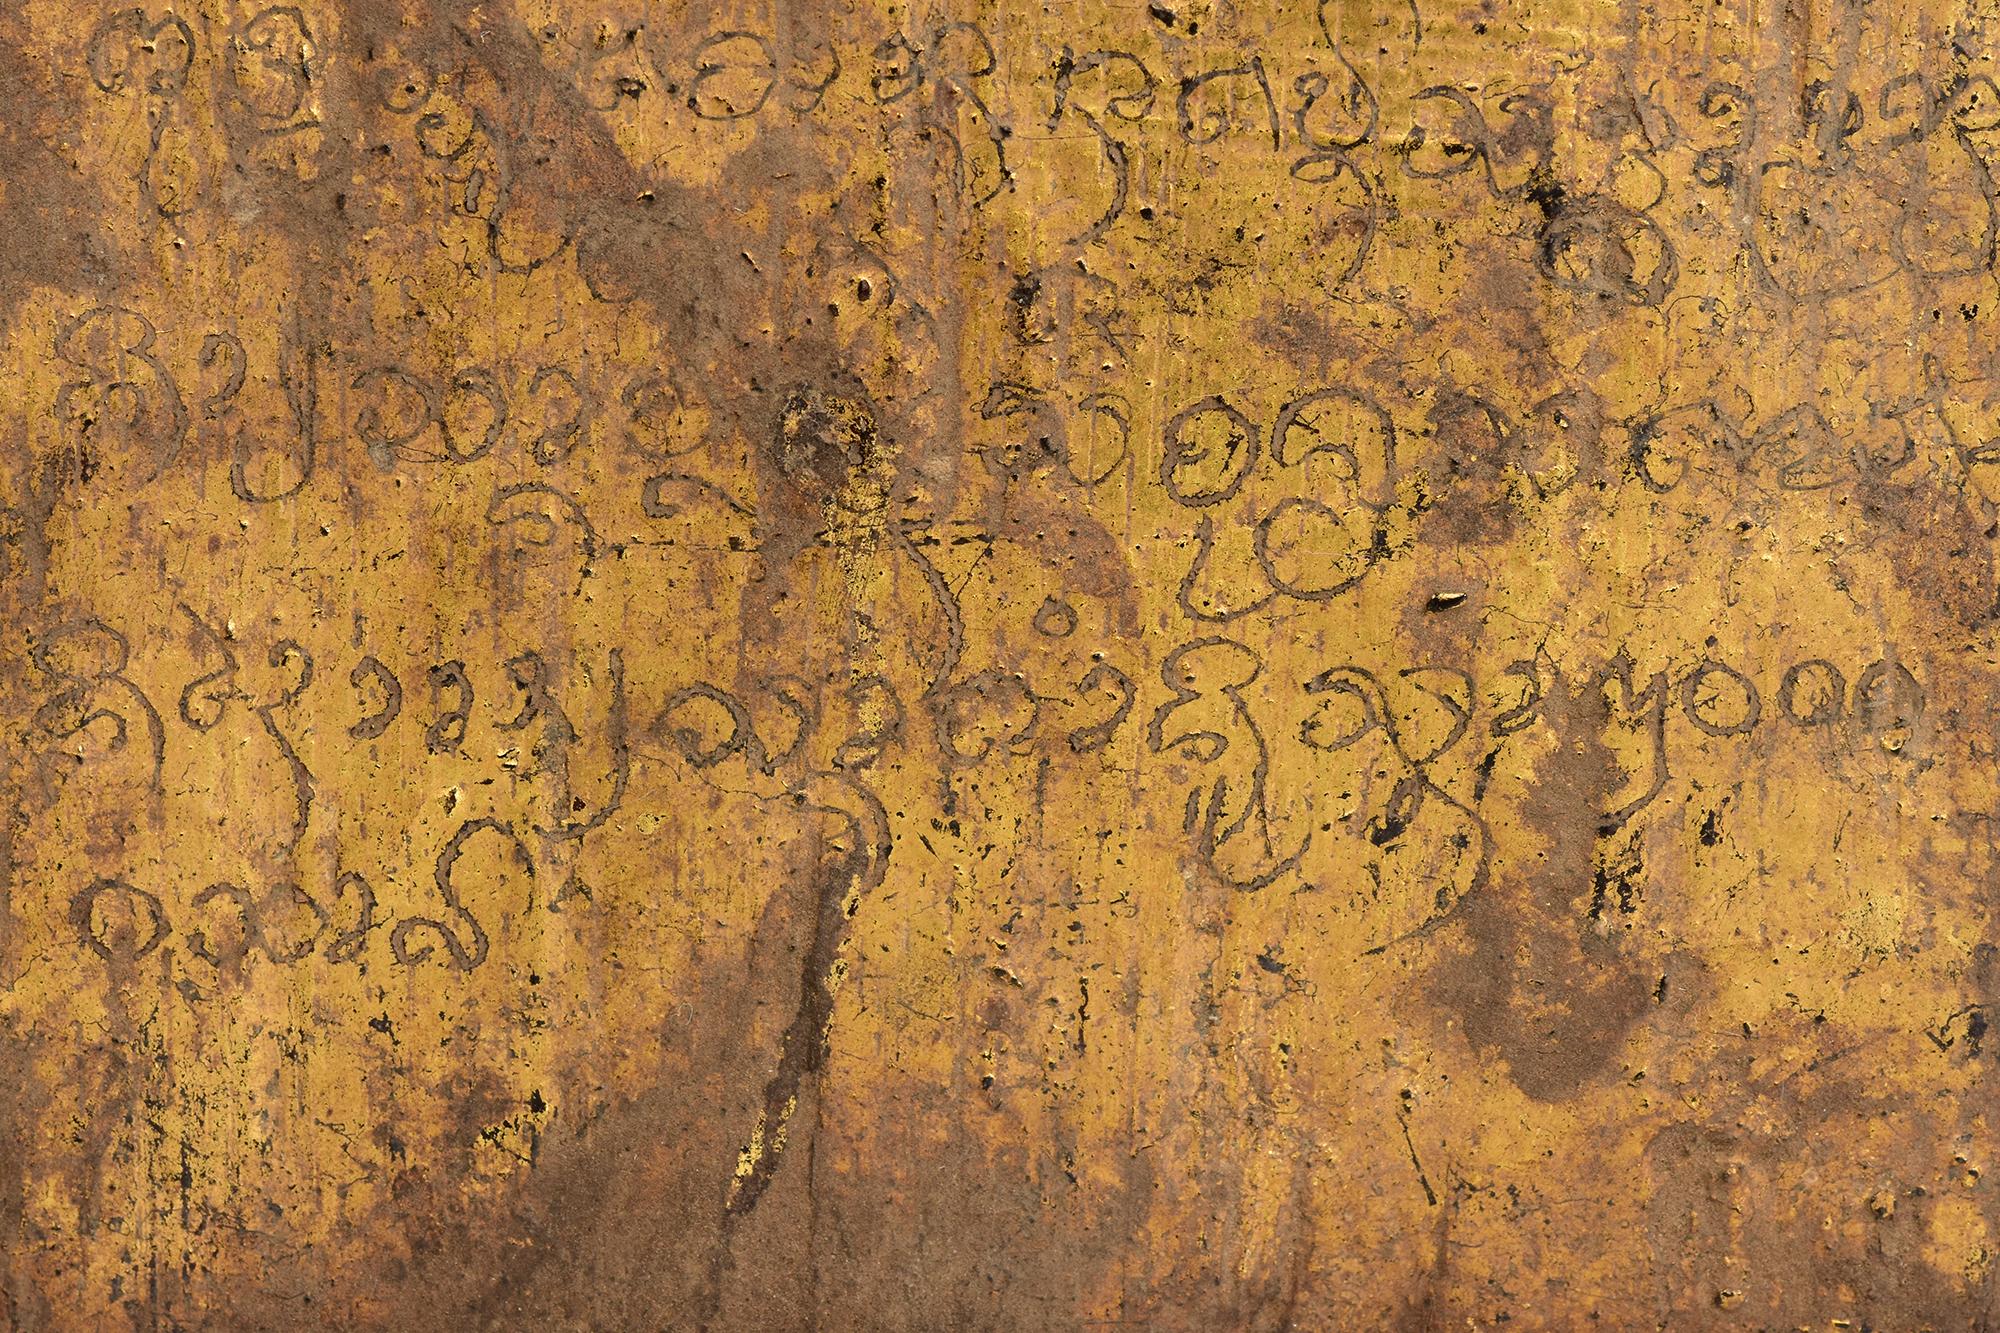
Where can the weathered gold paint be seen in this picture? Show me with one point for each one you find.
(915, 802)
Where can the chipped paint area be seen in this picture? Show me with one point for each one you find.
(1187, 666)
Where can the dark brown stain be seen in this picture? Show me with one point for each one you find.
(1524, 970)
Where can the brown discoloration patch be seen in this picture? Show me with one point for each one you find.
(1536, 981)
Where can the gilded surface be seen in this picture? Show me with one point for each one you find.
(998, 666)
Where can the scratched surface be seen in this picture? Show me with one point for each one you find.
(1002, 666)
